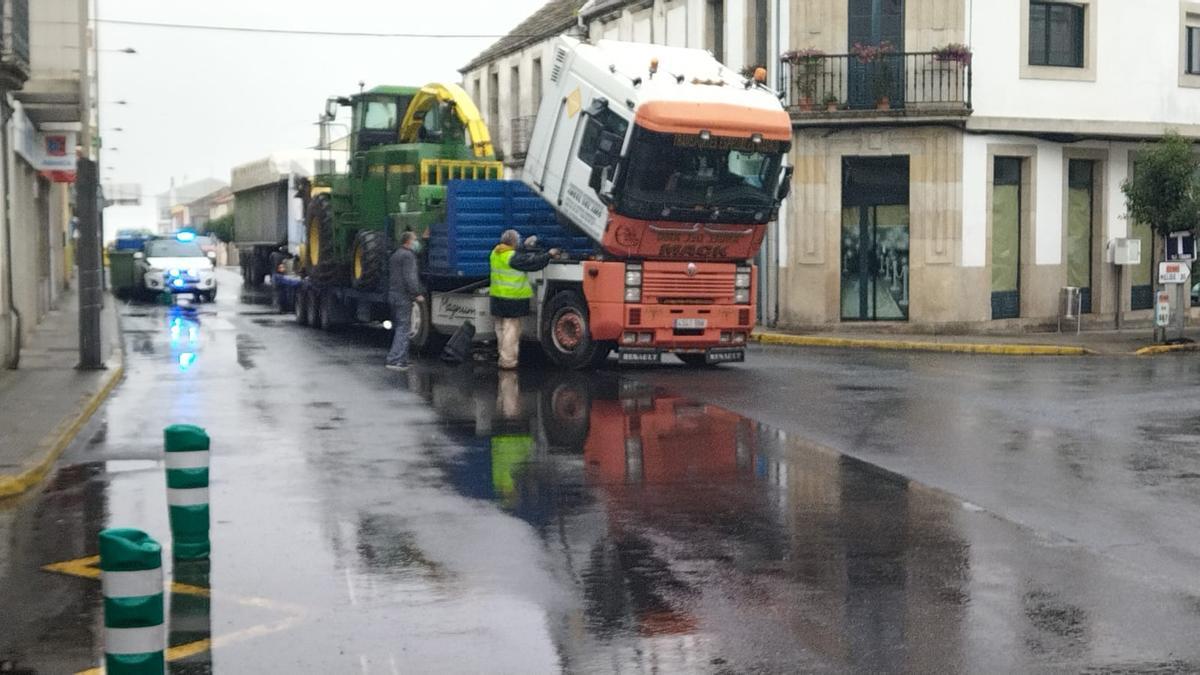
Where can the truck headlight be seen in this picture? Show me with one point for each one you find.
(633, 295)
(633, 278)
(741, 296)
(741, 279)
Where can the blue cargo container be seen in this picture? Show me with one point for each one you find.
(477, 212)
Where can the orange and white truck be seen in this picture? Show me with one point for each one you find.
(675, 165)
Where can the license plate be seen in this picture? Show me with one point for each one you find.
(691, 324)
(725, 356)
(637, 356)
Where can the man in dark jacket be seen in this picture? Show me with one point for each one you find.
(404, 288)
(511, 291)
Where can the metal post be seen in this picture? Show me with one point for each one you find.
(1180, 310)
(1120, 288)
(90, 268)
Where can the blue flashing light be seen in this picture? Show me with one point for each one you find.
(186, 359)
(178, 283)
(186, 236)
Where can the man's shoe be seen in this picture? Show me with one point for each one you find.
(398, 367)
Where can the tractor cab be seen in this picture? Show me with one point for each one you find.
(375, 116)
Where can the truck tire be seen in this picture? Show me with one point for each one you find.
(319, 239)
(566, 332)
(369, 267)
(303, 306)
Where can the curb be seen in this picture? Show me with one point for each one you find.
(1154, 350)
(915, 345)
(53, 444)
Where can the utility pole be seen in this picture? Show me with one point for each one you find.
(91, 270)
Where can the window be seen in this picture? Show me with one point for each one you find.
(536, 84)
(380, 115)
(514, 91)
(1193, 49)
(1056, 34)
(715, 29)
(607, 120)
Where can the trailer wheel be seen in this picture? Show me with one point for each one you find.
(333, 314)
(566, 332)
(303, 306)
(319, 238)
(370, 259)
(424, 338)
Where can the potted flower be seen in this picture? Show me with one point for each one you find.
(953, 53)
(876, 57)
(831, 102)
(809, 66)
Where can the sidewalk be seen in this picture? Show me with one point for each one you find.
(46, 401)
(1134, 342)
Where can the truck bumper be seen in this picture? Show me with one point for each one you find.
(636, 355)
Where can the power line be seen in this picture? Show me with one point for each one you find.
(325, 33)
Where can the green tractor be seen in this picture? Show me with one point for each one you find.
(404, 144)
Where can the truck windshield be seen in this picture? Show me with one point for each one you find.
(685, 177)
(172, 248)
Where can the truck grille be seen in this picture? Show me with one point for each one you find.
(672, 285)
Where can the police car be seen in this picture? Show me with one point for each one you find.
(179, 265)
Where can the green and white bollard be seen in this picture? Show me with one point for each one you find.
(187, 490)
(132, 581)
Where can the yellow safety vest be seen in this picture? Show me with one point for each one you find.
(506, 282)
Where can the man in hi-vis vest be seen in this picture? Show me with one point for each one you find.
(510, 290)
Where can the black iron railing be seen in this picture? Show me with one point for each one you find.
(910, 81)
(522, 131)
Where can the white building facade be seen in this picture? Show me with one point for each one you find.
(992, 177)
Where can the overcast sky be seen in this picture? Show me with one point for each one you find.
(201, 102)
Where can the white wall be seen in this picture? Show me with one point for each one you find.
(1137, 67)
(525, 106)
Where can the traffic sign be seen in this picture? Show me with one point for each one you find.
(1162, 309)
(1173, 272)
(1181, 246)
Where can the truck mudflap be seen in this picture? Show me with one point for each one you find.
(635, 355)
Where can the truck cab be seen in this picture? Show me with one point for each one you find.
(675, 165)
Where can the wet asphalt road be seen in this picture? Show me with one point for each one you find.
(452, 520)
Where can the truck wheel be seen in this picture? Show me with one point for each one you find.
(319, 238)
(370, 260)
(314, 308)
(303, 306)
(566, 332)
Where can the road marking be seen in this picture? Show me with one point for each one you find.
(86, 568)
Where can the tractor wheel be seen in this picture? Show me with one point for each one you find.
(319, 238)
(566, 332)
(370, 260)
(303, 306)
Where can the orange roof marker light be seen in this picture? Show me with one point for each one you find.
(653, 66)
(760, 75)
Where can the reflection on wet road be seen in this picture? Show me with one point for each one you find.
(458, 520)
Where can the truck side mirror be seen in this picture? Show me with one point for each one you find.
(600, 183)
(331, 108)
(785, 186)
(608, 149)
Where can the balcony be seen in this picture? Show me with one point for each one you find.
(843, 89)
(522, 131)
(14, 44)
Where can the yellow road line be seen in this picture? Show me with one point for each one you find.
(916, 345)
(58, 440)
